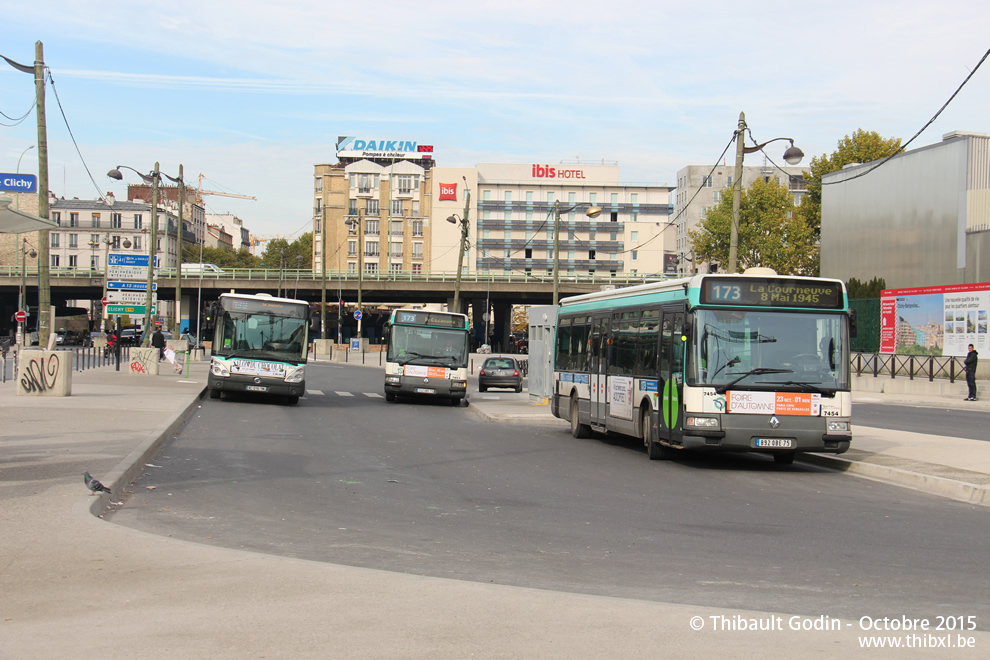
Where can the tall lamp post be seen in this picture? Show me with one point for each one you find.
(153, 179)
(591, 212)
(360, 229)
(792, 155)
(465, 226)
(22, 303)
(177, 330)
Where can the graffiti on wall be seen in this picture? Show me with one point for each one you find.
(40, 374)
(141, 361)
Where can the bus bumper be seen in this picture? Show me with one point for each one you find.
(252, 384)
(439, 388)
(798, 434)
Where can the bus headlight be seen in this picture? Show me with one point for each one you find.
(217, 368)
(838, 426)
(393, 380)
(296, 375)
(702, 422)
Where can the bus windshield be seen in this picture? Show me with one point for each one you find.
(769, 349)
(420, 345)
(261, 335)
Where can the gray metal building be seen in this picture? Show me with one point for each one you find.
(921, 219)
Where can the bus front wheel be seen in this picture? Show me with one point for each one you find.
(390, 397)
(578, 430)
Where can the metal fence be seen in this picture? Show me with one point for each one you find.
(912, 366)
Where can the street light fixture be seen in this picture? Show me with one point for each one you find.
(153, 179)
(591, 212)
(177, 330)
(465, 226)
(18, 205)
(792, 156)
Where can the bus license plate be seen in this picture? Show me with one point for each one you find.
(779, 443)
(424, 390)
(256, 388)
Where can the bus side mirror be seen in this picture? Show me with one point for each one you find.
(314, 323)
(852, 323)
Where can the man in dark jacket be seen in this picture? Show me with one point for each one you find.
(158, 341)
(970, 362)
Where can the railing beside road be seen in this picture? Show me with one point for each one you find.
(83, 358)
(921, 366)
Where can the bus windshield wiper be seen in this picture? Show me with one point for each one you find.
(758, 371)
(808, 385)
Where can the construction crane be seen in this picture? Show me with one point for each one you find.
(200, 192)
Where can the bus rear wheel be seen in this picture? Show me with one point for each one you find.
(578, 430)
(653, 448)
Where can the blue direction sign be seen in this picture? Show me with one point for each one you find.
(116, 259)
(26, 183)
(132, 286)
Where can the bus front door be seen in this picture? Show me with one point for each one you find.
(599, 369)
(671, 383)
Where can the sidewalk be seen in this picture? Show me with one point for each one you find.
(71, 583)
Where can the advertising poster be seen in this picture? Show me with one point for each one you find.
(941, 320)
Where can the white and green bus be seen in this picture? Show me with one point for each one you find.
(753, 362)
(260, 344)
(426, 355)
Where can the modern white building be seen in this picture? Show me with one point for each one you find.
(511, 220)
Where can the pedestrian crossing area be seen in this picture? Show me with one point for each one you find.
(370, 395)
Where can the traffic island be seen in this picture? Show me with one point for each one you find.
(44, 373)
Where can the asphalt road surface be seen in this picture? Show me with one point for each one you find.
(970, 424)
(424, 488)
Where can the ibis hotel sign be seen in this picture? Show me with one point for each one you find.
(352, 147)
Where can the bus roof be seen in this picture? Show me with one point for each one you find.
(262, 296)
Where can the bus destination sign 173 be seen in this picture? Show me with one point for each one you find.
(771, 292)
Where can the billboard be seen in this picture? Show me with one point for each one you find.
(939, 320)
(351, 147)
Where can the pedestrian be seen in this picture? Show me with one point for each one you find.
(158, 341)
(970, 362)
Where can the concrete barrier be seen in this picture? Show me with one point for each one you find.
(44, 373)
(144, 361)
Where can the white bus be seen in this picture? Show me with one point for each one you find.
(260, 344)
(426, 355)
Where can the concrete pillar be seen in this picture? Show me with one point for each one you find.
(478, 320)
(503, 327)
(44, 373)
(144, 361)
(322, 348)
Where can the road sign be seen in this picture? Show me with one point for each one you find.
(357, 314)
(25, 183)
(128, 273)
(20, 316)
(132, 297)
(131, 286)
(129, 259)
(136, 310)
(105, 301)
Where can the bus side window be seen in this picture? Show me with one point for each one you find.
(563, 345)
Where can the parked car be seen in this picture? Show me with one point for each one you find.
(89, 339)
(500, 372)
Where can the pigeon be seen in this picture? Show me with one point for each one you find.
(94, 484)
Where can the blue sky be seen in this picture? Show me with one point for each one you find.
(253, 94)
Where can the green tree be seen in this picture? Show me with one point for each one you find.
(280, 249)
(770, 234)
(869, 289)
(221, 257)
(861, 147)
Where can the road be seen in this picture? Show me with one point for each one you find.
(969, 424)
(345, 477)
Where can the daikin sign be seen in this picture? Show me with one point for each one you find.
(382, 148)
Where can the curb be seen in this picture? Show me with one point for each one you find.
(133, 463)
(953, 489)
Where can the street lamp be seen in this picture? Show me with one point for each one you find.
(106, 259)
(18, 205)
(299, 261)
(22, 304)
(792, 155)
(153, 179)
(178, 262)
(350, 222)
(591, 212)
(465, 226)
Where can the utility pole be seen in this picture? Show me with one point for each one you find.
(44, 238)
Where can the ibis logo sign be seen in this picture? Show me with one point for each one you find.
(448, 192)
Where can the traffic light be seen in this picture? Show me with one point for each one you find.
(210, 315)
(343, 309)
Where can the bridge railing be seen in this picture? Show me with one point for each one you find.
(307, 275)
